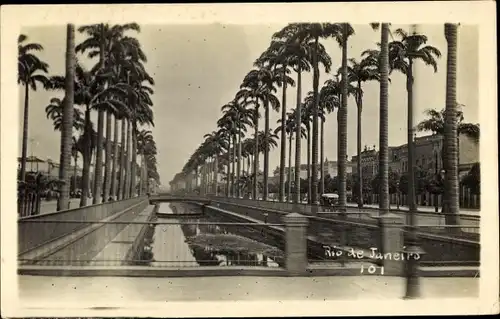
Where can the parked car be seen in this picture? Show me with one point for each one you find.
(329, 200)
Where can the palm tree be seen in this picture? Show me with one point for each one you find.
(383, 65)
(268, 141)
(381, 59)
(104, 41)
(451, 127)
(290, 129)
(240, 118)
(309, 34)
(116, 148)
(54, 111)
(402, 56)
(279, 56)
(306, 120)
(228, 129)
(359, 72)
(146, 146)
(248, 152)
(436, 123)
(299, 59)
(123, 159)
(328, 101)
(67, 120)
(141, 114)
(259, 85)
(215, 143)
(90, 93)
(346, 32)
(31, 70)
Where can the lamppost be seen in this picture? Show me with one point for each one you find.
(436, 172)
(397, 194)
(442, 182)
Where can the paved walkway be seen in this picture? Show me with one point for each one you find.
(42, 290)
(51, 206)
(116, 250)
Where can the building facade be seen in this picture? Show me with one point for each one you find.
(329, 168)
(428, 156)
(47, 167)
(369, 163)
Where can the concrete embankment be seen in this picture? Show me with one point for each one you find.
(129, 243)
(84, 243)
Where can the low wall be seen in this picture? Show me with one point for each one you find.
(438, 249)
(33, 232)
(83, 249)
(139, 232)
(443, 250)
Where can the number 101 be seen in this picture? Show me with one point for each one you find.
(372, 270)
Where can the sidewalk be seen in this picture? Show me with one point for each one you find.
(51, 206)
(47, 291)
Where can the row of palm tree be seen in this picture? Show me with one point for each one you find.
(298, 47)
(119, 89)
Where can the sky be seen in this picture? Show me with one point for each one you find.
(199, 68)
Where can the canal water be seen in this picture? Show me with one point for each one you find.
(203, 241)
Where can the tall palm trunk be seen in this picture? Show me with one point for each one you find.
(450, 129)
(141, 174)
(233, 167)
(133, 172)
(75, 172)
(322, 158)
(67, 120)
(123, 164)
(98, 176)
(298, 136)
(228, 167)
(411, 148)
(313, 195)
(256, 152)
(288, 198)
(384, 121)
(309, 182)
(342, 129)
(266, 151)
(238, 166)
(359, 101)
(216, 175)
(281, 192)
(115, 160)
(98, 161)
(25, 131)
(22, 195)
(202, 179)
(107, 163)
(128, 161)
(87, 156)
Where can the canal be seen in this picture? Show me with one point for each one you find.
(201, 239)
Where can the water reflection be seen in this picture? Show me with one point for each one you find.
(176, 245)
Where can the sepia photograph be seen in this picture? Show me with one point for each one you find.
(305, 160)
